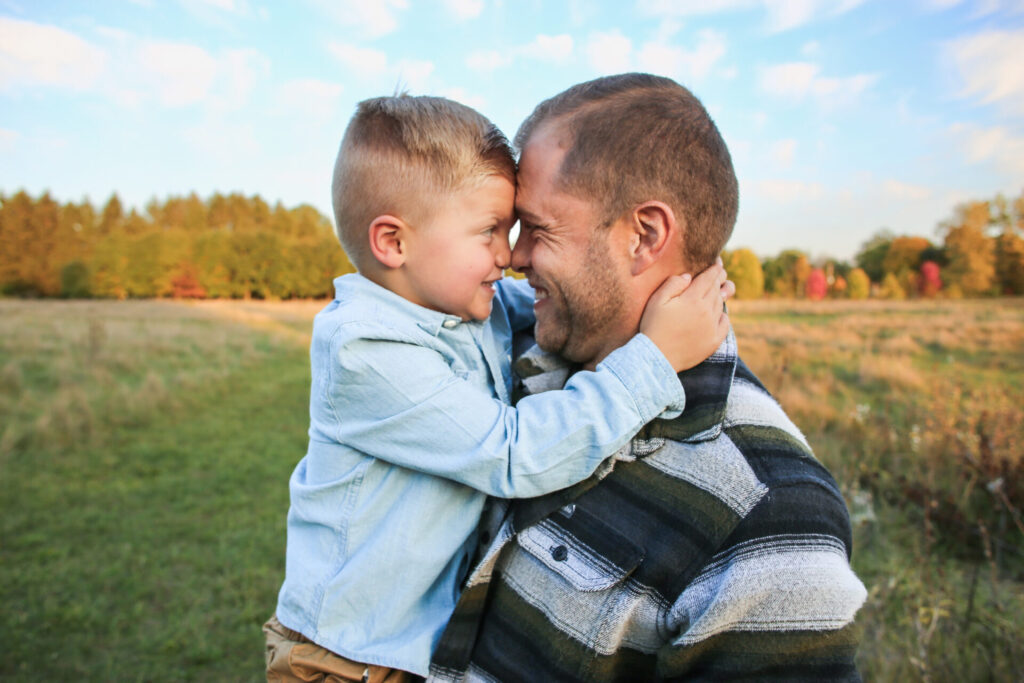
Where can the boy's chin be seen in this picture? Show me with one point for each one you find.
(478, 316)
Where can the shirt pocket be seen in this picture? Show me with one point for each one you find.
(606, 560)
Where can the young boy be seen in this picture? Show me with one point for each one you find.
(411, 427)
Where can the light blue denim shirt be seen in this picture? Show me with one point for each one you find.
(410, 431)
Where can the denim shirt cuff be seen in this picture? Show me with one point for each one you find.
(649, 378)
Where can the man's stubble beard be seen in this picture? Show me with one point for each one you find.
(585, 307)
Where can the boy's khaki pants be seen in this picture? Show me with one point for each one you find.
(293, 658)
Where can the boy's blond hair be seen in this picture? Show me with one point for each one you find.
(400, 153)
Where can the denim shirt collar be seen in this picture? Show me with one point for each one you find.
(389, 307)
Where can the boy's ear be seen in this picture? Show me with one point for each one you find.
(387, 240)
(655, 229)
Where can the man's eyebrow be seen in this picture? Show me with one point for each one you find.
(524, 214)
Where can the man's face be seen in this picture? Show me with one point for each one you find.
(568, 260)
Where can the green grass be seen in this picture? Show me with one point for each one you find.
(146, 447)
(153, 548)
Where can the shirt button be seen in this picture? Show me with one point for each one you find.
(559, 553)
(449, 324)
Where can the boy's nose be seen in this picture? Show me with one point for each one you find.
(503, 255)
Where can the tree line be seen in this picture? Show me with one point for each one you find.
(981, 253)
(234, 246)
(226, 246)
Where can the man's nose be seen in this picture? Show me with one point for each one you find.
(521, 253)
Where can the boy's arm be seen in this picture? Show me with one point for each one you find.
(403, 404)
(516, 297)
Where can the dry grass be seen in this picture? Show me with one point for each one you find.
(918, 409)
(72, 371)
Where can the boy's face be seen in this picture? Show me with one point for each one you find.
(454, 259)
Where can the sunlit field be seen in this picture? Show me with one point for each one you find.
(145, 449)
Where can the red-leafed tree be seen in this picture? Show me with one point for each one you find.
(817, 285)
(185, 283)
(930, 282)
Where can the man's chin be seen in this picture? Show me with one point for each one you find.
(551, 343)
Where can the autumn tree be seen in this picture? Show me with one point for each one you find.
(1009, 251)
(745, 271)
(858, 284)
(929, 281)
(891, 288)
(112, 216)
(816, 286)
(786, 274)
(971, 253)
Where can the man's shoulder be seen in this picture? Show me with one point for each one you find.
(759, 463)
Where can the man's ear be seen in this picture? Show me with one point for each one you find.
(655, 232)
(387, 240)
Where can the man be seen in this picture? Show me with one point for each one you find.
(715, 545)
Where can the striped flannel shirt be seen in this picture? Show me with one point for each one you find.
(713, 546)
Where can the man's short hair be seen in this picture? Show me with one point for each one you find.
(636, 137)
(400, 153)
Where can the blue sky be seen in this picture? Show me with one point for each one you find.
(843, 117)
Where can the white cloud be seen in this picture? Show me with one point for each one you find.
(373, 65)
(682, 8)
(996, 144)
(414, 74)
(782, 152)
(223, 5)
(810, 49)
(365, 62)
(464, 9)
(34, 54)
(788, 191)
(183, 73)
(682, 64)
(787, 14)
(372, 19)
(8, 138)
(238, 72)
(798, 80)
(901, 190)
(465, 97)
(609, 53)
(488, 60)
(991, 67)
(555, 49)
(309, 98)
(128, 70)
(546, 48)
(780, 15)
(224, 141)
(981, 7)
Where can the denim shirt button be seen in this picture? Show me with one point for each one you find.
(449, 324)
(559, 553)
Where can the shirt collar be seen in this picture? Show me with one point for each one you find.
(389, 306)
(707, 387)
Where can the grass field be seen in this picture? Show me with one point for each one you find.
(145, 449)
